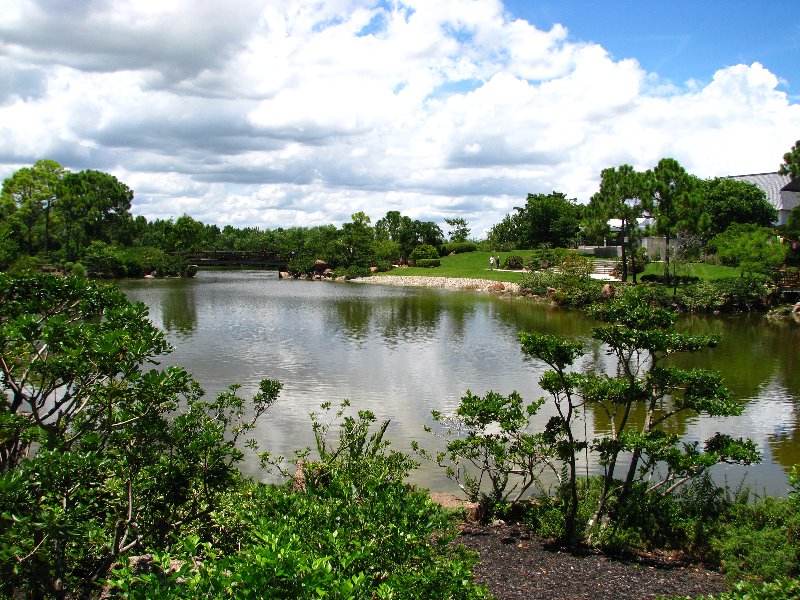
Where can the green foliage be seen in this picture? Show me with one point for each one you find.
(99, 456)
(489, 453)
(513, 261)
(752, 248)
(781, 589)
(640, 336)
(457, 248)
(791, 162)
(105, 261)
(423, 251)
(355, 271)
(300, 265)
(759, 540)
(545, 219)
(538, 282)
(546, 257)
(77, 269)
(728, 295)
(353, 529)
(427, 263)
(459, 229)
(728, 201)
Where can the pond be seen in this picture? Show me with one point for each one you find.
(402, 352)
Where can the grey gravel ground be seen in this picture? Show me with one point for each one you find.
(514, 563)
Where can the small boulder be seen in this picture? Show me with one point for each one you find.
(496, 287)
(607, 292)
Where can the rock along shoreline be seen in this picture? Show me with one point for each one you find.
(452, 283)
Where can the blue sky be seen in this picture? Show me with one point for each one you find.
(679, 39)
(275, 113)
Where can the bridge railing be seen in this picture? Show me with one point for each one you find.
(230, 255)
(788, 279)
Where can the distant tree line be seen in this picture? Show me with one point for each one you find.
(675, 204)
(82, 220)
(50, 216)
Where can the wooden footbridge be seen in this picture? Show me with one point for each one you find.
(222, 258)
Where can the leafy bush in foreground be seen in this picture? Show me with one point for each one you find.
(352, 530)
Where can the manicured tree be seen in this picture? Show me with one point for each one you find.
(559, 434)
(640, 404)
(623, 195)
(671, 187)
(489, 451)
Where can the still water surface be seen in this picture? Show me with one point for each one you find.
(402, 352)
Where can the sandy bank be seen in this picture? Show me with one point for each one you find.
(453, 283)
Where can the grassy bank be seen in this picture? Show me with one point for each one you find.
(475, 265)
(469, 265)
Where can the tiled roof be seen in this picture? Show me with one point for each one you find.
(774, 185)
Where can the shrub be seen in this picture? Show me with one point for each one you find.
(383, 266)
(731, 294)
(423, 251)
(538, 282)
(354, 272)
(78, 270)
(103, 260)
(24, 263)
(353, 530)
(457, 248)
(576, 292)
(300, 265)
(759, 540)
(644, 294)
(513, 262)
(427, 262)
(546, 257)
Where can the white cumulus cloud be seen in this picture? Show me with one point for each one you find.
(292, 112)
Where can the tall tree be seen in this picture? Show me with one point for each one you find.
(671, 187)
(95, 206)
(727, 201)
(34, 190)
(459, 229)
(357, 240)
(546, 219)
(791, 162)
(623, 195)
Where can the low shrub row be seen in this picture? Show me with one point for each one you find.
(428, 262)
(733, 294)
(457, 248)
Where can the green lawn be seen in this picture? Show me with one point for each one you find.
(469, 265)
(475, 265)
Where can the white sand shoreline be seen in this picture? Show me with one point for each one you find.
(453, 283)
